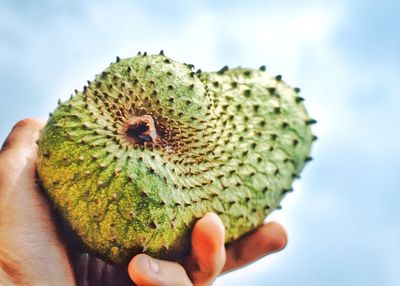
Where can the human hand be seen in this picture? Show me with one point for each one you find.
(33, 253)
(209, 257)
(31, 250)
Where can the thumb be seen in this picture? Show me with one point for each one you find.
(23, 134)
(145, 270)
(17, 158)
(18, 152)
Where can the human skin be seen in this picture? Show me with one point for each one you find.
(34, 250)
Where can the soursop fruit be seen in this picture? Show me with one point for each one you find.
(149, 146)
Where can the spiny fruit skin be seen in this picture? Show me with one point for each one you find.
(149, 146)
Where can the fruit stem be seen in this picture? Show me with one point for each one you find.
(141, 129)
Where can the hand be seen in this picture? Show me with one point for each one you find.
(32, 251)
(209, 257)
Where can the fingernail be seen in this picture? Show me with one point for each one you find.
(154, 266)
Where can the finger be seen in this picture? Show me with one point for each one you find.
(19, 152)
(90, 270)
(23, 134)
(81, 269)
(266, 239)
(208, 250)
(145, 270)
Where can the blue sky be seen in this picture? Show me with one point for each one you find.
(343, 219)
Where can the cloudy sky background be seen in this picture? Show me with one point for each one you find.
(343, 219)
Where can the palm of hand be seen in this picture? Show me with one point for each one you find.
(32, 250)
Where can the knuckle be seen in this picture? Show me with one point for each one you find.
(23, 127)
(27, 122)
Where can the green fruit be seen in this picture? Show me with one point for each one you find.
(150, 146)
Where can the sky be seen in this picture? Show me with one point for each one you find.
(343, 219)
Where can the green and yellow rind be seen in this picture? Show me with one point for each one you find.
(239, 138)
